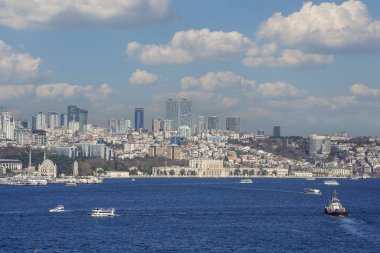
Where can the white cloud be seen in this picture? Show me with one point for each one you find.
(15, 91)
(227, 102)
(324, 26)
(270, 56)
(332, 103)
(142, 77)
(278, 89)
(52, 91)
(103, 92)
(363, 90)
(82, 13)
(261, 112)
(216, 80)
(17, 67)
(187, 46)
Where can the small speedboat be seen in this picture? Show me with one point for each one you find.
(312, 191)
(246, 181)
(331, 182)
(102, 212)
(71, 183)
(334, 207)
(57, 209)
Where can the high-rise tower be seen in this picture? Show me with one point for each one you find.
(185, 117)
(233, 124)
(172, 113)
(139, 118)
(213, 123)
(75, 114)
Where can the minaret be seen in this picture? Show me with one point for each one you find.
(75, 169)
(30, 167)
(44, 155)
(30, 158)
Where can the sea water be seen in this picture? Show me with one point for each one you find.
(191, 215)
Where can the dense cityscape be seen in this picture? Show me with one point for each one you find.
(174, 146)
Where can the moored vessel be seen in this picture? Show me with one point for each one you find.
(71, 183)
(334, 207)
(103, 212)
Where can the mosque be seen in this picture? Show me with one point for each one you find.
(47, 168)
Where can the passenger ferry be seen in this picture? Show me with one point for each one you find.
(310, 178)
(246, 181)
(57, 209)
(102, 212)
(331, 182)
(312, 191)
(334, 207)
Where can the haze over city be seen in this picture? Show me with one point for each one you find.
(309, 67)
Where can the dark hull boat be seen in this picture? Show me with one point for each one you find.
(334, 207)
(335, 213)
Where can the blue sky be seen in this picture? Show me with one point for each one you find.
(308, 67)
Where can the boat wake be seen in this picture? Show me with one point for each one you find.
(360, 229)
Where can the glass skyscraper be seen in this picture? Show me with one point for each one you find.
(185, 117)
(233, 124)
(139, 118)
(172, 113)
(179, 113)
(277, 131)
(77, 115)
(213, 122)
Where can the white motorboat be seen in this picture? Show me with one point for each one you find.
(102, 212)
(312, 191)
(246, 181)
(57, 209)
(331, 182)
(71, 183)
(310, 178)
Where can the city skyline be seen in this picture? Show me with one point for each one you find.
(301, 66)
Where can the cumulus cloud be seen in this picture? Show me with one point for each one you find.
(52, 91)
(332, 103)
(261, 112)
(17, 67)
(363, 90)
(15, 91)
(324, 26)
(82, 13)
(58, 89)
(270, 56)
(103, 92)
(278, 89)
(227, 102)
(142, 77)
(187, 46)
(216, 80)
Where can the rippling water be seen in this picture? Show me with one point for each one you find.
(191, 215)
